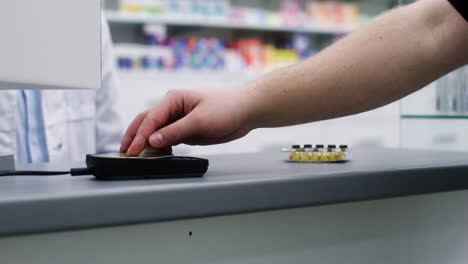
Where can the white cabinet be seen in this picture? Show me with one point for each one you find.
(431, 133)
(437, 116)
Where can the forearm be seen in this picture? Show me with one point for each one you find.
(393, 56)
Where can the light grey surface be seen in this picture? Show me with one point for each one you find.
(426, 229)
(7, 163)
(234, 184)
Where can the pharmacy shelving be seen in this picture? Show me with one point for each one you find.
(121, 17)
(436, 117)
(445, 98)
(142, 88)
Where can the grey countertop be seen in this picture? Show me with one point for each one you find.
(234, 184)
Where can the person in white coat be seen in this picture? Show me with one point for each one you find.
(50, 126)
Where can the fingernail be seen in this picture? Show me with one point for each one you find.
(157, 140)
(136, 147)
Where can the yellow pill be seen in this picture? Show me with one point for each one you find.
(324, 157)
(314, 158)
(296, 156)
(342, 155)
(305, 157)
(336, 157)
(292, 157)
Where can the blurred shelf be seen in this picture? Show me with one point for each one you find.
(119, 17)
(159, 83)
(187, 75)
(434, 117)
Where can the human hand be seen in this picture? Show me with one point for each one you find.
(193, 117)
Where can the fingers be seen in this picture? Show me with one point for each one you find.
(175, 133)
(183, 117)
(131, 132)
(156, 118)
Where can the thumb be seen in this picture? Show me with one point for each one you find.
(175, 133)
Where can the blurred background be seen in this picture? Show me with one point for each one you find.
(181, 44)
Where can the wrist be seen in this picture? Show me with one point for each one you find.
(249, 106)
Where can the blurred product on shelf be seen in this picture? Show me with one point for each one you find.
(251, 54)
(452, 93)
(289, 13)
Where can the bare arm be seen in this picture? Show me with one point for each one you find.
(395, 55)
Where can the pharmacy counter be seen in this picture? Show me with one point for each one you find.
(244, 199)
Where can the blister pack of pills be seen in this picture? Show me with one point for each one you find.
(318, 153)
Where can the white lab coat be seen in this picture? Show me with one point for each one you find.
(76, 122)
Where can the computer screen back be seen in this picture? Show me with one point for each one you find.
(50, 44)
